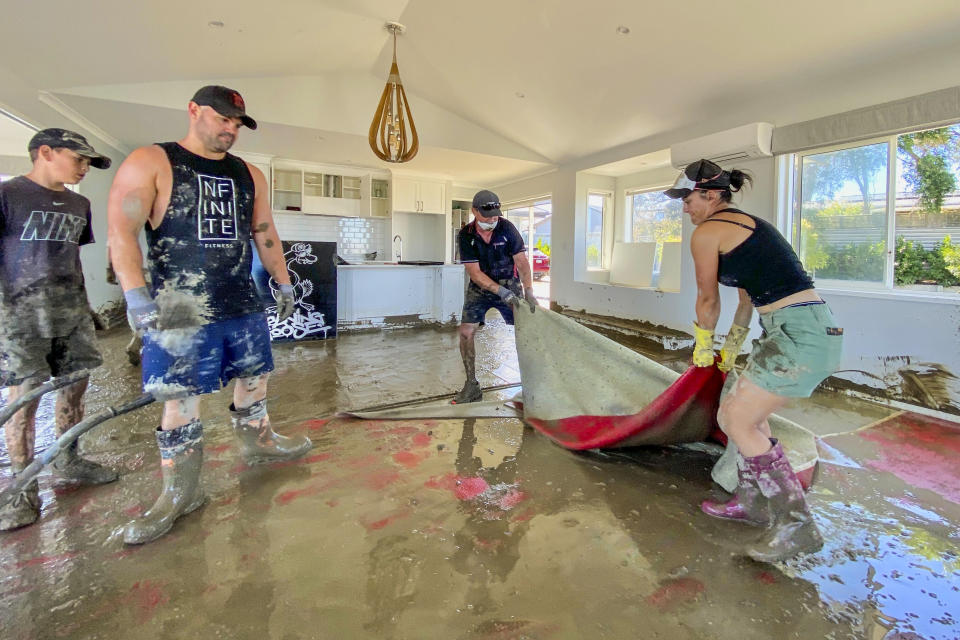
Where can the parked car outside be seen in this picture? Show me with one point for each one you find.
(541, 264)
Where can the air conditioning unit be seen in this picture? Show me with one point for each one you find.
(741, 143)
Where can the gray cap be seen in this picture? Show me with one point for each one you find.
(66, 139)
(488, 203)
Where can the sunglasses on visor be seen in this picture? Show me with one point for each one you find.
(489, 206)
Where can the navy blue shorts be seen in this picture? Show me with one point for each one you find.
(476, 302)
(178, 363)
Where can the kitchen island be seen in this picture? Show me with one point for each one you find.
(388, 295)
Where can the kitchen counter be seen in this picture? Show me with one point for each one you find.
(378, 295)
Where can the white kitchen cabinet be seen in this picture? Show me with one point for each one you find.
(418, 195)
(329, 190)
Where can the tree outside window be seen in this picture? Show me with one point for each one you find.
(655, 218)
(843, 233)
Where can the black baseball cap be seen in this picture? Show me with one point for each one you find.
(488, 203)
(226, 102)
(702, 174)
(66, 139)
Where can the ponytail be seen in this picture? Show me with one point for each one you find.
(737, 180)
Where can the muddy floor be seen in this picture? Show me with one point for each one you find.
(476, 529)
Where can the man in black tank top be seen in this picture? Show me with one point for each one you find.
(203, 323)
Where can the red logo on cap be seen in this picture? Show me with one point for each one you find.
(237, 100)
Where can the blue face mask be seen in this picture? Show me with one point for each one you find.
(488, 226)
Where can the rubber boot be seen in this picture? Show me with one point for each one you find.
(181, 456)
(747, 504)
(793, 530)
(470, 393)
(24, 509)
(259, 442)
(70, 466)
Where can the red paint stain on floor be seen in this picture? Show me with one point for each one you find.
(447, 481)
(316, 425)
(919, 450)
(287, 497)
(381, 523)
(146, 596)
(766, 577)
(511, 499)
(217, 449)
(45, 561)
(409, 459)
(674, 593)
(421, 440)
(470, 488)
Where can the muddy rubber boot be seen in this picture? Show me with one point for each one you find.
(259, 442)
(747, 504)
(793, 529)
(470, 393)
(181, 456)
(68, 465)
(23, 510)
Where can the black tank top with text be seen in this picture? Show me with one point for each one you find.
(200, 255)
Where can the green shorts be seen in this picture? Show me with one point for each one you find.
(799, 348)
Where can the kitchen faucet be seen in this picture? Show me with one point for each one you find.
(399, 253)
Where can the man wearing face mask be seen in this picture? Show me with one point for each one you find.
(493, 253)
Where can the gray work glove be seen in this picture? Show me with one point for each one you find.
(508, 296)
(141, 309)
(531, 300)
(285, 303)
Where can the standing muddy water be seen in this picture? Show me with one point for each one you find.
(475, 528)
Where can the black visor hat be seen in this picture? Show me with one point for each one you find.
(702, 174)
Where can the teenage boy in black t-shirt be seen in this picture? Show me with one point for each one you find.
(46, 328)
(494, 256)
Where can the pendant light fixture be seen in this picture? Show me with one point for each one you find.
(393, 136)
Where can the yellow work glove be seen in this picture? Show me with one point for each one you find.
(703, 346)
(731, 347)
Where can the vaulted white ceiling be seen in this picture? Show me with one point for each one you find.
(498, 89)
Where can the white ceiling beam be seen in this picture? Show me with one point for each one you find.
(81, 121)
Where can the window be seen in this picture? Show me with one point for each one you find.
(597, 210)
(654, 218)
(532, 215)
(882, 215)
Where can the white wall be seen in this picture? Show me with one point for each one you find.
(96, 187)
(14, 165)
(424, 235)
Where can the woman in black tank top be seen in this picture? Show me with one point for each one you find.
(749, 253)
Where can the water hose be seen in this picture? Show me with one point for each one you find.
(23, 478)
(56, 383)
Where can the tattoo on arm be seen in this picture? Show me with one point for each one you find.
(262, 227)
(268, 243)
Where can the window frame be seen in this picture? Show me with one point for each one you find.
(788, 207)
(607, 209)
(529, 204)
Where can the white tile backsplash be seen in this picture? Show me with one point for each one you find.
(354, 236)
